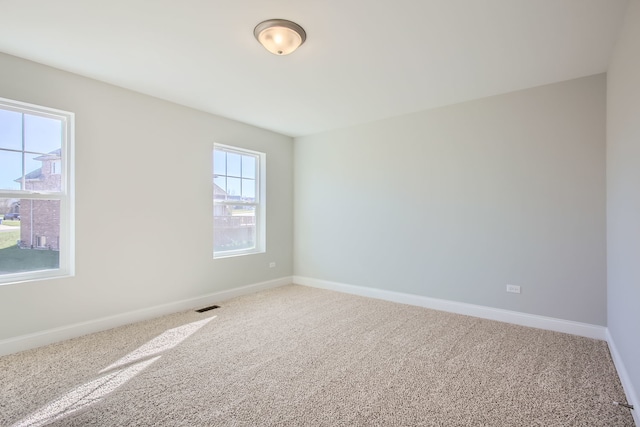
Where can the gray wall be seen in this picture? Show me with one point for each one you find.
(623, 195)
(456, 202)
(144, 203)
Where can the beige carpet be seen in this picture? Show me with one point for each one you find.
(308, 357)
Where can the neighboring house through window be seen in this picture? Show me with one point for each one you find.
(35, 192)
(238, 201)
(55, 167)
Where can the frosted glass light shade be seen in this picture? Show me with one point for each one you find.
(279, 36)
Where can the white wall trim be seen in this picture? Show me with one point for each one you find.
(37, 339)
(515, 317)
(627, 385)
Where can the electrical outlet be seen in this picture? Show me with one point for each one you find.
(513, 289)
(272, 265)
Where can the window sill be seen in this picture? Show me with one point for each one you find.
(233, 254)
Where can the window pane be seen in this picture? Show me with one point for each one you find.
(219, 188)
(233, 164)
(29, 235)
(31, 165)
(234, 228)
(10, 129)
(219, 162)
(42, 134)
(249, 190)
(249, 167)
(39, 176)
(10, 170)
(233, 188)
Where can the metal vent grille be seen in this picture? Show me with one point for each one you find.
(211, 307)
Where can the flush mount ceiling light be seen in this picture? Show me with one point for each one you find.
(279, 36)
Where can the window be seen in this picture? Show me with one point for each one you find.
(36, 207)
(238, 201)
(55, 167)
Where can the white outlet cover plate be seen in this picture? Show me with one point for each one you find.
(513, 289)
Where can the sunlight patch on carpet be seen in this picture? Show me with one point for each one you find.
(93, 391)
(83, 396)
(167, 340)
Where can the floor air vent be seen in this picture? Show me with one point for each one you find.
(211, 307)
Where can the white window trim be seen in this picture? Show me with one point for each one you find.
(260, 204)
(66, 196)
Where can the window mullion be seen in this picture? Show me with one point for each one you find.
(23, 179)
(226, 175)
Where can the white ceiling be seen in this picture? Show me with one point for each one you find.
(363, 60)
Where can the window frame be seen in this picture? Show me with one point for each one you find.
(66, 194)
(259, 204)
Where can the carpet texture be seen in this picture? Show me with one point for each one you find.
(298, 356)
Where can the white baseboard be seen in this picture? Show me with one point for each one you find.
(632, 396)
(25, 342)
(523, 319)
